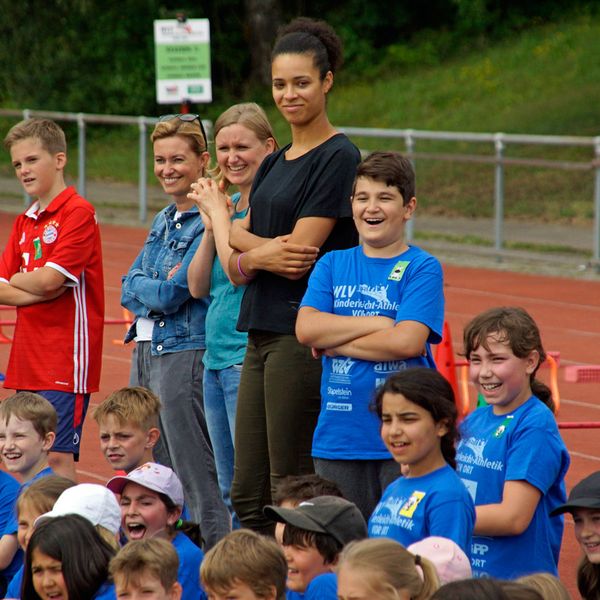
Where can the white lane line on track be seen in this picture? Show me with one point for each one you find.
(513, 297)
(582, 455)
(579, 403)
(92, 475)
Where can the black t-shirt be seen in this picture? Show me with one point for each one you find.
(316, 184)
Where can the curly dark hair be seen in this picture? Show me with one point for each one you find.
(309, 36)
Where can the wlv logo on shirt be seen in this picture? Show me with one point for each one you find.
(340, 370)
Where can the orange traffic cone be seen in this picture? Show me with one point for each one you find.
(444, 360)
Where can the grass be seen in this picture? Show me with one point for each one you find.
(541, 81)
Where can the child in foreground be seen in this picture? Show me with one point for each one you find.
(35, 500)
(27, 432)
(294, 489)
(146, 569)
(51, 270)
(246, 566)
(314, 535)
(67, 558)
(128, 424)
(383, 569)
(584, 505)
(151, 503)
(369, 311)
(511, 456)
(418, 426)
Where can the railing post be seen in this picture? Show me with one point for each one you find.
(499, 196)
(81, 154)
(142, 186)
(596, 250)
(409, 141)
(26, 197)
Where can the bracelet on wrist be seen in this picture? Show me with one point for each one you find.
(241, 271)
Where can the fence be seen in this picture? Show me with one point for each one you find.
(498, 141)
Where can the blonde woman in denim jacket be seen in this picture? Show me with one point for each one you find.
(169, 325)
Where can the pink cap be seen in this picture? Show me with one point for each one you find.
(450, 562)
(153, 476)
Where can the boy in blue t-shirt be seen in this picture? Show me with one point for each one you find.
(27, 432)
(369, 311)
(314, 535)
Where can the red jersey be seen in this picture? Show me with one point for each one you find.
(57, 345)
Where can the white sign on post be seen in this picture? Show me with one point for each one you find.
(182, 57)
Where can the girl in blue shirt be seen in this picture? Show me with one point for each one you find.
(67, 558)
(511, 456)
(418, 426)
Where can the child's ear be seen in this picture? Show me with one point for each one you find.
(152, 437)
(271, 594)
(409, 208)
(442, 428)
(173, 516)
(60, 159)
(48, 441)
(532, 361)
(175, 592)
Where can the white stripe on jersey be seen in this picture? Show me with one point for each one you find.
(81, 351)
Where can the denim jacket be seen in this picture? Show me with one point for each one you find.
(147, 291)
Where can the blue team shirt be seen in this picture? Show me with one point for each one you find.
(9, 491)
(408, 287)
(12, 524)
(524, 445)
(14, 587)
(413, 508)
(188, 575)
(322, 587)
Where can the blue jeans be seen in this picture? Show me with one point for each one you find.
(184, 444)
(220, 400)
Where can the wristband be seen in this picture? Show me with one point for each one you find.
(241, 271)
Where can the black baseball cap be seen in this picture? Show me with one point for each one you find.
(586, 494)
(335, 516)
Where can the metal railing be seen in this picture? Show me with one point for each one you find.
(82, 119)
(498, 141)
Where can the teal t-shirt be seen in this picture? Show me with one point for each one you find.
(225, 345)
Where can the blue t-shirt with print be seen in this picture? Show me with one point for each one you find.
(413, 508)
(524, 445)
(408, 287)
(322, 587)
(225, 345)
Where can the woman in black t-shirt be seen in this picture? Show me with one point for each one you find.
(299, 207)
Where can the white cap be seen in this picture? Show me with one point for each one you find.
(94, 502)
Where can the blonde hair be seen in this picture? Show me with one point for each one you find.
(130, 405)
(189, 130)
(108, 536)
(42, 493)
(28, 406)
(549, 586)
(389, 568)
(51, 136)
(252, 117)
(247, 557)
(154, 555)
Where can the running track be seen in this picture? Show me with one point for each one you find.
(567, 311)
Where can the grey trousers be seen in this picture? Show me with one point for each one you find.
(184, 444)
(361, 481)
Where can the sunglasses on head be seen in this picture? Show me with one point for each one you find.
(186, 118)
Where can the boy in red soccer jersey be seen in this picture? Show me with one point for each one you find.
(51, 270)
